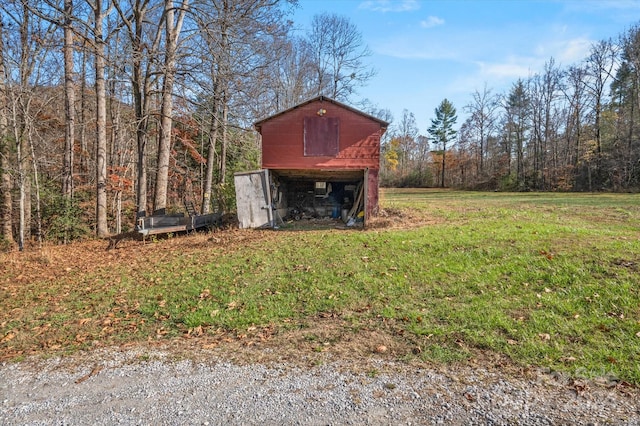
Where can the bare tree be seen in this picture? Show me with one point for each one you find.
(630, 45)
(518, 123)
(98, 42)
(144, 38)
(574, 93)
(292, 71)
(339, 54)
(29, 51)
(173, 27)
(546, 90)
(240, 40)
(406, 133)
(482, 122)
(70, 99)
(599, 66)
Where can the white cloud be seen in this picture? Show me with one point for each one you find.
(567, 52)
(513, 68)
(431, 21)
(390, 5)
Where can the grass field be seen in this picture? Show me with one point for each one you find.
(543, 279)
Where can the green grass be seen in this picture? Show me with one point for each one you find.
(549, 280)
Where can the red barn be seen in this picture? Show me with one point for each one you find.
(320, 158)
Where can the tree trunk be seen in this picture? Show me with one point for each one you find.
(69, 104)
(5, 191)
(118, 212)
(24, 123)
(211, 159)
(36, 186)
(141, 88)
(102, 229)
(444, 152)
(84, 150)
(6, 232)
(225, 136)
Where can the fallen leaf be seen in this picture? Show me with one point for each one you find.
(195, 331)
(11, 336)
(93, 372)
(638, 334)
(580, 387)
(381, 349)
(544, 336)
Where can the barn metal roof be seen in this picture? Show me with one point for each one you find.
(321, 98)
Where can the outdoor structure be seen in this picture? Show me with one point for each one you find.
(320, 158)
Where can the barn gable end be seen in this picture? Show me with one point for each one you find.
(321, 156)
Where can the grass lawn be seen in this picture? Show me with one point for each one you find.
(545, 279)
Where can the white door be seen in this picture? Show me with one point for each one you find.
(253, 199)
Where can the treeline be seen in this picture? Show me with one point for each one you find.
(113, 110)
(564, 129)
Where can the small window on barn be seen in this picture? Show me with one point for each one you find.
(321, 136)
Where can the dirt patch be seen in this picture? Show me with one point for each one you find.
(393, 218)
(319, 340)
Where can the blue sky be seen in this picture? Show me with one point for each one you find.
(428, 50)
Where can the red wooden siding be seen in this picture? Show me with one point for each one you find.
(283, 136)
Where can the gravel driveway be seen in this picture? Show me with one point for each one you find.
(155, 387)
